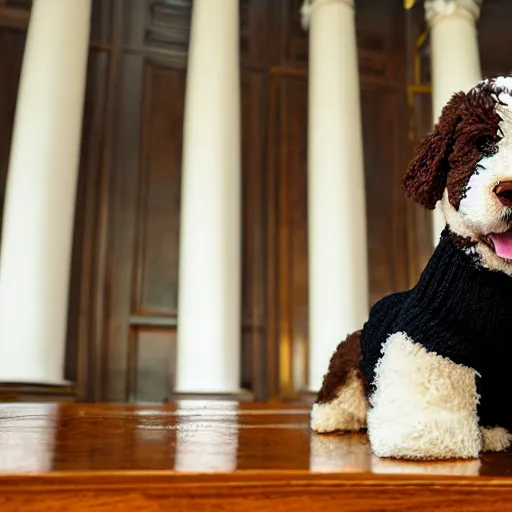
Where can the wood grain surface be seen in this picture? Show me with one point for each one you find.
(222, 456)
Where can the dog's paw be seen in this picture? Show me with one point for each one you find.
(496, 439)
(345, 412)
(424, 406)
(434, 438)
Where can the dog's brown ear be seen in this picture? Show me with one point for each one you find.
(425, 179)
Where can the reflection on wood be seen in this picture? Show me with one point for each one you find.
(32, 453)
(202, 456)
(210, 447)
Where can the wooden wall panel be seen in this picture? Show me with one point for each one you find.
(378, 24)
(293, 39)
(18, 4)
(494, 34)
(122, 227)
(102, 22)
(259, 33)
(384, 138)
(144, 227)
(419, 219)
(156, 263)
(254, 230)
(154, 368)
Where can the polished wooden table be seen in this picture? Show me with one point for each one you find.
(219, 456)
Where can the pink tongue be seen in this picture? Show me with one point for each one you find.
(503, 244)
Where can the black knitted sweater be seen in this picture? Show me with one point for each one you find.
(458, 310)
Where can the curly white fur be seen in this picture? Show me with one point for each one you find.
(424, 405)
(496, 439)
(346, 412)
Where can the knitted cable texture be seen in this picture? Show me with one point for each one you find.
(458, 310)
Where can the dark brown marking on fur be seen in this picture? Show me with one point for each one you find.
(476, 137)
(462, 242)
(425, 179)
(344, 361)
(467, 131)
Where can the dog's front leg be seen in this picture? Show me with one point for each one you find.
(424, 406)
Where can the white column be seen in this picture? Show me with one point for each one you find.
(338, 270)
(40, 195)
(455, 61)
(209, 323)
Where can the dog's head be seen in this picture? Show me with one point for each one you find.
(466, 163)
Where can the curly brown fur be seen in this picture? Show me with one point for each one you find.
(467, 130)
(344, 362)
(476, 136)
(462, 242)
(425, 179)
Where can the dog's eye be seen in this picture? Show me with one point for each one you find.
(484, 142)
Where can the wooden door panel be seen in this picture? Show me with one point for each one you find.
(154, 364)
(146, 218)
(159, 181)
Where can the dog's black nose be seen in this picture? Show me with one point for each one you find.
(503, 191)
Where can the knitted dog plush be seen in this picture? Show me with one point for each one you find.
(428, 375)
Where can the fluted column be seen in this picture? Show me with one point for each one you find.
(338, 271)
(39, 209)
(209, 326)
(455, 60)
